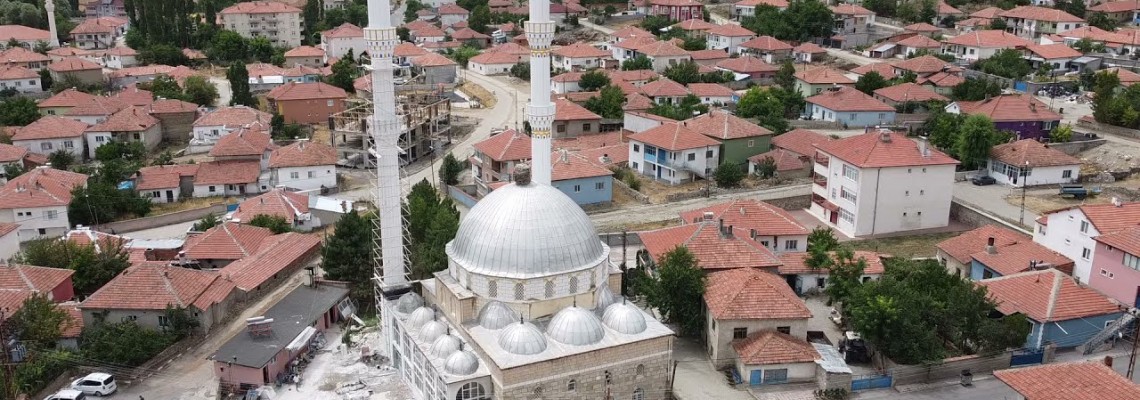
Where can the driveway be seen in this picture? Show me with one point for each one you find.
(992, 200)
(695, 377)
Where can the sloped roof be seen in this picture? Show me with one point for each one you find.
(674, 137)
(661, 49)
(1018, 257)
(922, 27)
(1031, 152)
(721, 125)
(432, 60)
(713, 249)
(153, 287)
(1046, 296)
(850, 9)
(10, 153)
(468, 34)
(1053, 51)
(925, 65)
(20, 277)
(809, 47)
(50, 127)
(941, 79)
(302, 154)
(305, 51)
(226, 241)
(580, 50)
(747, 215)
(870, 151)
(786, 160)
(101, 106)
(565, 110)
(277, 202)
(1085, 380)
(130, 119)
(509, 145)
(749, 293)
(909, 92)
(1127, 240)
(233, 116)
(345, 30)
(771, 347)
(164, 176)
(72, 64)
(964, 245)
(274, 255)
(730, 30)
(636, 102)
(695, 24)
(1010, 107)
(766, 43)
(98, 25)
(710, 90)
(664, 87)
(497, 57)
(306, 91)
(800, 141)
(989, 39)
(885, 69)
(227, 172)
(849, 99)
(1040, 14)
(259, 7)
(823, 75)
(746, 65)
(8, 72)
(1115, 7)
(20, 54)
(566, 165)
(243, 142)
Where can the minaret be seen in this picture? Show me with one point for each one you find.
(49, 5)
(382, 39)
(540, 111)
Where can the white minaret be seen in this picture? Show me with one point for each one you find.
(49, 5)
(382, 39)
(540, 111)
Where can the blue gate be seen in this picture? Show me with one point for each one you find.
(754, 380)
(867, 382)
(1026, 357)
(1020, 86)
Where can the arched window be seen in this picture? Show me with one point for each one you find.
(572, 385)
(640, 369)
(638, 394)
(520, 291)
(549, 292)
(573, 284)
(609, 377)
(471, 391)
(538, 390)
(492, 288)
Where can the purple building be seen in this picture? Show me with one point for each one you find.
(1023, 114)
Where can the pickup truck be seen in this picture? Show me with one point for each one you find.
(1078, 192)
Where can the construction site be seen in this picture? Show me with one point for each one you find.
(425, 127)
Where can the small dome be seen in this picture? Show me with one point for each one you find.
(444, 346)
(461, 363)
(432, 330)
(603, 297)
(495, 315)
(523, 339)
(409, 302)
(625, 318)
(420, 317)
(575, 326)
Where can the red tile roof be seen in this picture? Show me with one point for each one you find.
(164, 176)
(793, 263)
(606, 156)
(1009, 260)
(405, 49)
(746, 65)
(946, 9)
(1053, 51)
(724, 126)
(771, 347)
(194, 54)
(277, 202)
(989, 39)
(710, 90)
(766, 44)
(260, 7)
(712, 249)
(50, 127)
(1046, 296)
(661, 49)
(850, 9)
(227, 172)
(565, 110)
(921, 27)
(85, 236)
(233, 116)
(748, 293)
(306, 91)
(98, 25)
(941, 79)
(746, 215)
(568, 165)
(72, 64)
(785, 160)
(1127, 78)
(509, 145)
(695, 24)
(961, 247)
(849, 99)
(73, 327)
(1115, 7)
(925, 65)
(99, 106)
(664, 87)
(23, 33)
(674, 137)
(166, 106)
(10, 72)
(1108, 218)
(823, 75)
(20, 54)
(227, 241)
(432, 60)
(302, 154)
(132, 95)
(32, 279)
(498, 57)
(1040, 14)
(754, 3)
(580, 50)
(305, 51)
(10, 153)
(886, 69)
(809, 48)
(145, 70)
(467, 34)
(152, 287)
(713, 54)
(1090, 380)
(275, 254)
(800, 141)
(904, 92)
(345, 30)
(869, 150)
(452, 8)
(243, 142)
(631, 32)
(634, 75)
(1126, 240)
(1030, 151)
(730, 30)
(973, 22)
(1010, 107)
(130, 119)
(636, 102)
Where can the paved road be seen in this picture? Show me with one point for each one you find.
(849, 56)
(595, 27)
(224, 91)
(616, 220)
(992, 199)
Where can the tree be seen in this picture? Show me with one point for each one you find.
(275, 223)
(870, 82)
(1086, 45)
(977, 136)
(61, 159)
(238, 76)
(637, 63)
(1075, 7)
(480, 18)
(168, 22)
(822, 238)
(1006, 63)
(163, 86)
(685, 72)
(728, 176)
(101, 201)
(18, 111)
(311, 15)
(765, 106)
(228, 46)
(786, 76)
(997, 24)
(164, 54)
(347, 255)
(677, 290)
(123, 343)
(119, 150)
(260, 49)
(654, 24)
(93, 268)
(1102, 21)
(39, 322)
(209, 221)
(766, 168)
(200, 91)
(593, 80)
(412, 7)
(974, 89)
(521, 71)
(344, 74)
(450, 170)
(1061, 134)
(689, 106)
(692, 43)
(462, 54)
(927, 12)
(45, 80)
(13, 170)
(428, 231)
(608, 103)
(179, 322)
(844, 274)
(942, 129)
(882, 8)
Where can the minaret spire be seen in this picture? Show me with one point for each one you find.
(382, 39)
(540, 111)
(49, 6)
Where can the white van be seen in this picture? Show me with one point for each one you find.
(98, 384)
(67, 394)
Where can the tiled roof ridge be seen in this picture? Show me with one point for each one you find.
(226, 229)
(170, 288)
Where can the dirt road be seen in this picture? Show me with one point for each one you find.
(635, 214)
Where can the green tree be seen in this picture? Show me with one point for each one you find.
(1086, 45)
(462, 54)
(1061, 134)
(844, 275)
(429, 229)
(209, 221)
(593, 80)
(608, 103)
(974, 89)
(692, 43)
(654, 24)
(766, 167)
(1075, 7)
(120, 150)
(480, 18)
(260, 49)
(200, 91)
(728, 176)
(18, 111)
(169, 22)
(238, 76)
(882, 8)
(822, 238)
(927, 12)
(39, 322)
(123, 343)
(637, 63)
(101, 201)
(685, 72)
(521, 71)
(786, 76)
(311, 15)
(228, 46)
(942, 129)
(347, 255)
(11, 171)
(677, 290)
(412, 7)
(870, 82)
(765, 106)
(164, 54)
(976, 137)
(45, 80)
(275, 223)
(1102, 21)
(344, 74)
(690, 106)
(179, 322)
(1006, 63)
(93, 268)
(450, 170)
(61, 159)
(163, 86)
(998, 24)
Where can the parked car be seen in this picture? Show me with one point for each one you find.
(97, 383)
(854, 349)
(983, 180)
(1077, 191)
(67, 394)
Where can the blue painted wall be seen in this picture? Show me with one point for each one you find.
(1070, 333)
(588, 192)
(977, 270)
(861, 119)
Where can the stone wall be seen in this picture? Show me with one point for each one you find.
(974, 217)
(155, 221)
(1115, 130)
(549, 379)
(642, 197)
(176, 127)
(1072, 148)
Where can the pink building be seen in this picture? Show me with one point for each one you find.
(1116, 265)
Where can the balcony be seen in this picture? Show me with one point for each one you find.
(819, 180)
(822, 160)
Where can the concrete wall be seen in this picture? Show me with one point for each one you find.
(852, 119)
(1063, 235)
(1037, 176)
(948, 369)
(9, 245)
(575, 128)
(1072, 148)
(798, 372)
(155, 221)
(585, 191)
(1069, 333)
(974, 217)
(322, 176)
(176, 127)
(719, 335)
(1111, 277)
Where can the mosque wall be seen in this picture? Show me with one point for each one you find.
(644, 365)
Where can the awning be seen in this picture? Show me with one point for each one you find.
(830, 206)
(884, 47)
(302, 339)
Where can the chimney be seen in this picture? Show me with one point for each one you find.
(1116, 202)
(884, 135)
(708, 216)
(720, 225)
(990, 245)
(752, 234)
(148, 254)
(923, 147)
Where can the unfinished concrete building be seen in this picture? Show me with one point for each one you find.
(425, 125)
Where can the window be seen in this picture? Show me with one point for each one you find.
(821, 282)
(572, 385)
(849, 196)
(600, 186)
(562, 128)
(573, 284)
(493, 288)
(638, 394)
(850, 172)
(471, 391)
(640, 370)
(852, 117)
(751, 143)
(692, 156)
(1086, 253)
(99, 139)
(609, 378)
(739, 333)
(1067, 174)
(329, 103)
(45, 146)
(51, 214)
(163, 321)
(708, 154)
(636, 148)
(312, 174)
(1132, 261)
(987, 274)
(577, 188)
(846, 215)
(520, 291)
(294, 175)
(155, 193)
(1084, 227)
(775, 375)
(211, 189)
(791, 244)
(764, 243)
(921, 192)
(585, 127)
(787, 330)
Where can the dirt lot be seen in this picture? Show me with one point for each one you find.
(904, 246)
(1046, 199)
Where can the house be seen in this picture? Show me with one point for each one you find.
(428, 34)
(166, 183)
(1033, 22)
(279, 22)
(673, 153)
(222, 121)
(924, 66)
(1022, 114)
(1090, 379)
(61, 103)
(852, 24)
(1119, 42)
(27, 37)
(1073, 231)
(495, 63)
(905, 93)
(586, 181)
(403, 53)
(665, 91)
(21, 79)
(716, 246)
(230, 178)
(471, 37)
(451, 13)
(748, 67)
(276, 259)
(766, 48)
(728, 37)
(956, 253)
(694, 28)
(1059, 310)
(304, 165)
(566, 82)
(942, 83)
(674, 10)
(917, 43)
(923, 29)
(496, 156)
(19, 56)
(225, 243)
(306, 103)
(131, 124)
(743, 301)
(1116, 263)
(247, 144)
(120, 57)
(1029, 162)
(308, 56)
(630, 32)
(946, 11)
(739, 138)
(663, 54)
(15, 156)
(194, 55)
(1123, 11)
(747, 8)
(572, 120)
(1056, 56)
(849, 107)
(708, 58)
(972, 24)
(51, 133)
(83, 71)
(788, 163)
(885, 69)
(142, 293)
(134, 75)
(881, 182)
(771, 357)
(808, 52)
(28, 280)
(812, 81)
(713, 94)
(578, 57)
(435, 69)
(981, 44)
(1025, 255)
(270, 345)
(807, 280)
(98, 33)
(772, 227)
(626, 48)
(337, 42)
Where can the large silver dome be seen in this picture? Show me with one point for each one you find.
(462, 362)
(444, 346)
(432, 330)
(495, 315)
(603, 298)
(420, 317)
(625, 318)
(523, 339)
(526, 231)
(575, 326)
(409, 302)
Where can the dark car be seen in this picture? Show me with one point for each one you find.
(983, 180)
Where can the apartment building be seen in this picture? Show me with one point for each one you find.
(1073, 232)
(278, 22)
(1032, 22)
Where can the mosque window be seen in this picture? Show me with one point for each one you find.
(609, 377)
(572, 385)
(538, 390)
(638, 394)
(549, 291)
(471, 391)
(640, 369)
(492, 288)
(520, 290)
(573, 284)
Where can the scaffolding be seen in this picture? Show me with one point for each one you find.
(425, 128)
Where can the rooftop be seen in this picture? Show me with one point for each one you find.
(1047, 296)
(30, 278)
(305, 51)
(277, 202)
(1032, 153)
(846, 98)
(275, 254)
(154, 287)
(800, 141)
(885, 69)
(130, 119)
(1010, 107)
(72, 64)
(1040, 14)
(12, 71)
(1053, 51)
(904, 92)
(580, 50)
(747, 215)
(870, 150)
(164, 176)
(1089, 380)
(823, 75)
(746, 65)
(1126, 240)
(766, 44)
(345, 30)
(301, 308)
(786, 160)
(23, 33)
(40, 187)
(713, 249)
(306, 91)
(565, 110)
(749, 293)
(243, 142)
(967, 243)
(227, 241)
(673, 137)
(50, 127)
(771, 347)
(566, 165)
(989, 39)
(227, 172)
(721, 125)
(303, 153)
(233, 116)
(259, 7)
(925, 65)
(509, 145)
(1018, 257)
(664, 87)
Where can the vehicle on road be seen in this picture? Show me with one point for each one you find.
(983, 180)
(67, 394)
(97, 383)
(1078, 192)
(854, 349)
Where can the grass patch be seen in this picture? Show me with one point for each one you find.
(904, 246)
(187, 204)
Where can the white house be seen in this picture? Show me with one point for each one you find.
(223, 120)
(230, 178)
(336, 42)
(578, 57)
(37, 200)
(713, 93)
(166, 183)
(636, 122)
(131, 124)
(881, 182)
(9, 240)
(1071, 231)
(303, 166)
(980, 45)
(51, 133)
(747, 8)
(728, 37)
(673, 153)
(1029, 162)
(744, 301)
(566, 82)
(807, 280)
(120, 57)
(451, 13)
(1034, 22)
(774, 228)
(22, 79)
(850, 107)
(493, 63)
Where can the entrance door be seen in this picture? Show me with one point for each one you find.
(834, 217)
(169, 196)
(1137, 303)
(754, 380)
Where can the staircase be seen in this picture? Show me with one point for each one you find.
(1109, 331)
